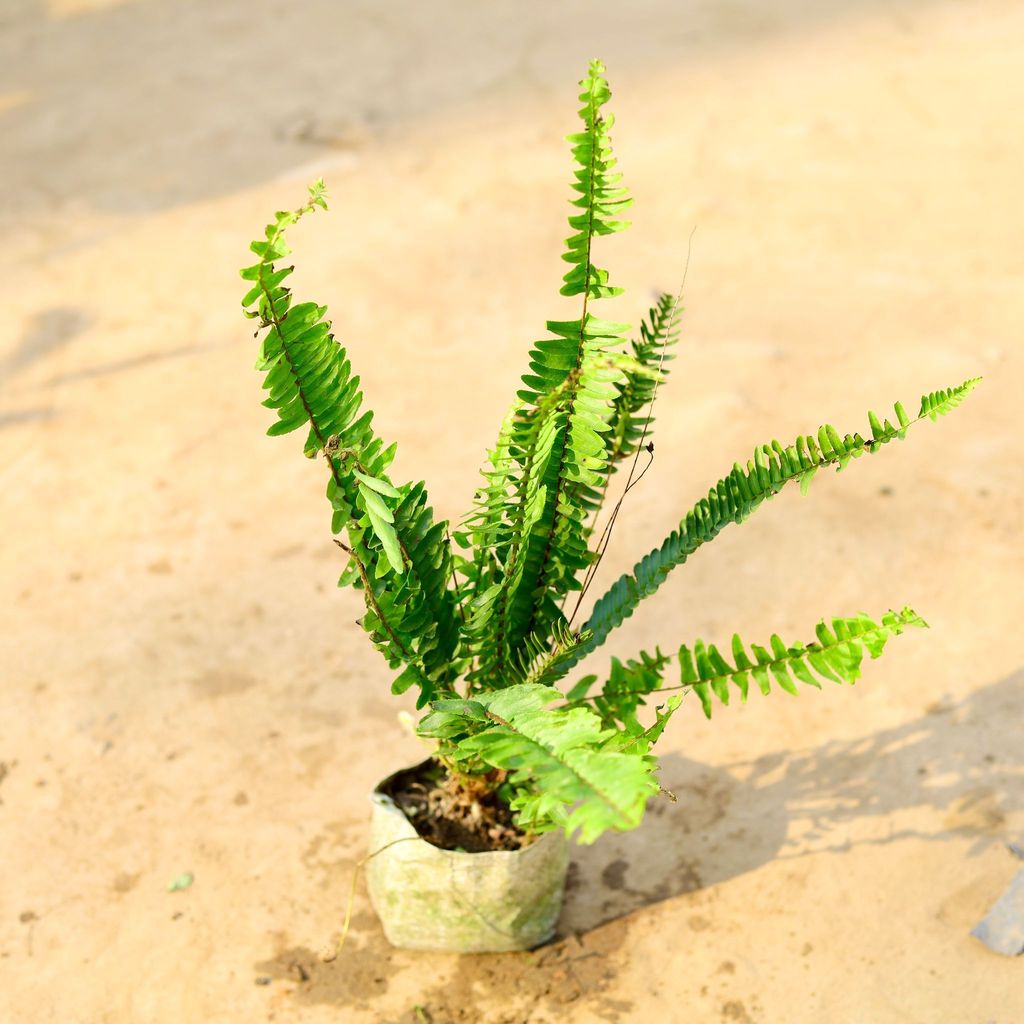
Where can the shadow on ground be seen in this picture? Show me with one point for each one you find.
(47, 331)
(791, 804)
(328, 77)
(51, 331)
(725, 823)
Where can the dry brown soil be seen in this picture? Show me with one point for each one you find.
(184, 689)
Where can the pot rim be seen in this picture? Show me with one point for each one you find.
(386, 803)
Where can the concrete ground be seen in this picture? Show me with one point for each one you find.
(183, 687)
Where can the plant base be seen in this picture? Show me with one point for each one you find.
(447, 900)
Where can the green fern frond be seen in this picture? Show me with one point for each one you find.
(539, 650)
(836, 655)
(631, 421)
(731, 500)
(602, 199)
(486, 530)
(659, 333)
(562, 761)
(398, 555)
(558, 442)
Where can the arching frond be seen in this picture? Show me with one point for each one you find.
(731, 500)
(558, 442)
(399, 558)
(836, 654)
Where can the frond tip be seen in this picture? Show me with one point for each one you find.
(835, 655)
(601, 196)
(938, 403)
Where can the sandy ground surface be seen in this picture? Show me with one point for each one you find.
(184, 689)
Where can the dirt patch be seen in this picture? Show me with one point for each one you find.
(541, 987)
(976, 812)
(456, 812)
(734, 1010)
(223, 682)
(125, 881)
(499, 988)
(614, 875)
(354, 980)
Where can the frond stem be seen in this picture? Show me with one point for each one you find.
(605, 539)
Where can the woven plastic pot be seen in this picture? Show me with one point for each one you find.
(429, 898)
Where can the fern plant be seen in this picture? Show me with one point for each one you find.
(483, 632)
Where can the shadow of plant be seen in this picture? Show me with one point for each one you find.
(48, 331)
(727, 821)
(793, 803)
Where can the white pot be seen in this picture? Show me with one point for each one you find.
(492, 902)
